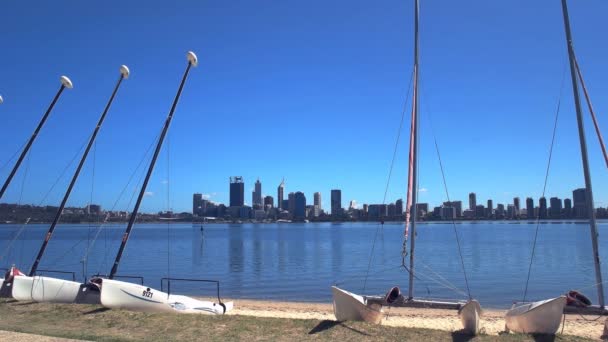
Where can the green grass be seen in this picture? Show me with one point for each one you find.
(91, 322)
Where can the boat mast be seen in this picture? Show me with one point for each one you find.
(65, 83)
(583, 143)
(124, 73)
(415, 157)
(192, 61)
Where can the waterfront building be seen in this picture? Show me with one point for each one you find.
(197, 203)
(511, 211)
(377, 211)
(256, 196)
(299, 212)
(259, 214)
(268, 200)
(542, 208)
(317, 198)
(490, 208)
(399, 207)
(352, 205)
(237, 191)
(480, 211)
(516, 205)
(468, 214)
(472, 201)
(567, 208)
(392, 210)
(448, 213)
(457, 205)
(336, 202)
(500, 211)
(555, 209)
(291, 203)
(530, 208)
(579, 199)
(280, 191)
(285, 204)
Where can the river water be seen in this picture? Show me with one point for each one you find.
(300, 261)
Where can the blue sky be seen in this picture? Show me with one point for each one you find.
(310, 91)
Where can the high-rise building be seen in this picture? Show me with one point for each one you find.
(423, 209)
(399, 207)
(317, 197)
(391, 210)
(268, 200)
(237, 191)
(336, 202)
(457, 205)
(480, 211)
(555, 211)
(299, 212)
(291, 206)
(472, 201)
(352, 205)
(280, 191)
(197, 203)
(579, 199)
(567, 208)
(542, 208)
(500, 211)
(447, 213)
(490, 208)
(516, 205)
(256, 198)
(511, 211)
(530, 208)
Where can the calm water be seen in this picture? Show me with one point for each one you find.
(299, 262)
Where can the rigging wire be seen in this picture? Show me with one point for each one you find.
(559, 101)
(13, 156)
(447, 194)
(390, 172)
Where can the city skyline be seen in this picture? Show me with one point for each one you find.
(329, 100)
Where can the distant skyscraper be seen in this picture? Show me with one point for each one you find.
(336, 202)
(291, 198)
(399, 207)
(542, 208)
(511, 211)
(472, 201)
(530, 208)
(555, 211)
(197, 203)
(457, 205)
(500, 210)
(317, 197)
(257, 194)
(490, 208)
(237, 192)
(299, 212)
(516, 205)
(352, 205)
(480, 211)
(280, 191)
(268, 200)
(579, 199)
(567, 208)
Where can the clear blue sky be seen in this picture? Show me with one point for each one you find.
(308, 90)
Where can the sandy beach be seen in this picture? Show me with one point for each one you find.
(493, 322)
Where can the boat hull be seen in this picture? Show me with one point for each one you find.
(543, 317)
(469, 316)
(122, 295)
(351, 307)
(53, 290)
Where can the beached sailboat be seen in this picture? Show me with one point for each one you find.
(7, 282)
(56, 290)
(117, 294)
(544, 317)
(350, 306)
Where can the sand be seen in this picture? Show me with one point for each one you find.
(492, 321)
(22, 337)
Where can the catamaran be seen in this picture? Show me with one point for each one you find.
(350, 306)
(544, 317)
(56, 290)
(7, 282)
(117, 294)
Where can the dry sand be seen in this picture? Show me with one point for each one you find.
(492, 320)
(21, 337)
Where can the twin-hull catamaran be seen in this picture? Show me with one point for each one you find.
(350, 306)
(6, 284)
(123, 295)
(55, 290)
(544, 317)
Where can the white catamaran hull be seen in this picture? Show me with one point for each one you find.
(351, 307)
(122, 295)
(52, 290)
(469, 316)
(543, 317)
